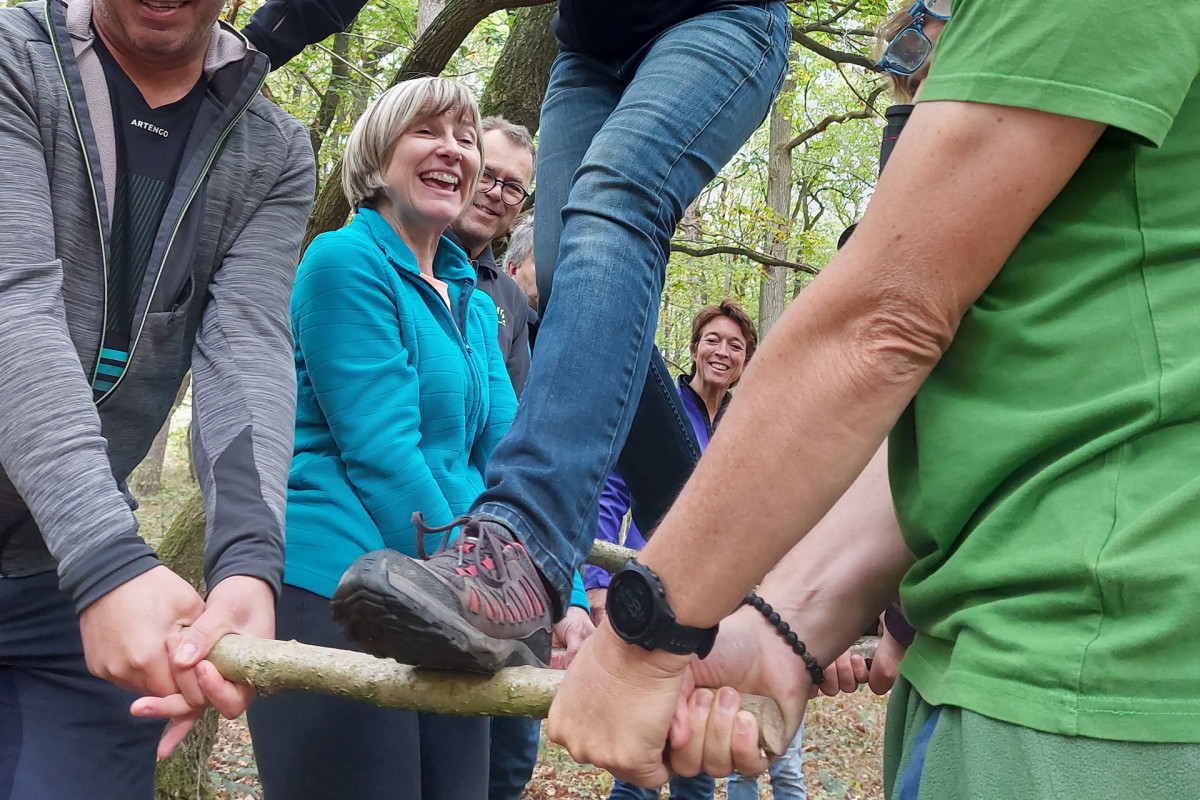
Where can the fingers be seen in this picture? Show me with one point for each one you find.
(885, 667)
(228, 698)
(687, 732)
(176, 730)
(718, 735)
(173, 705)
(712, 734)
(845, 674)
(748, 757)
(185, 678)
(597, 602)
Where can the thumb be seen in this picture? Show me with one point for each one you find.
(195, 641)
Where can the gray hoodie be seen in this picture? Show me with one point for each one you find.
(215, 300)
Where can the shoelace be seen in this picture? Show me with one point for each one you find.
(483, 548)
(480, 550)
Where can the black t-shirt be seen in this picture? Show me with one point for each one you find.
(150, 143)
(618, 28)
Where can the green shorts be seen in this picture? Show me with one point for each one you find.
(949, 753)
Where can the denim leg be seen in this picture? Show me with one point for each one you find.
(787, 778)
(661, 450)
(697, 787)
(691, 100)
(741, 787)
(628, 791)
(63, 732)
(514, 745)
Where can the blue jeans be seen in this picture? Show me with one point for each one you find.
(787, 780)
(700, 787)
(63, 732)
(625, 147)
(514, 754)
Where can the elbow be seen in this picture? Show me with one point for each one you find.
(901, 339)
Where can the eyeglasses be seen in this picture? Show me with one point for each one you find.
(511, 192)
(910, 47)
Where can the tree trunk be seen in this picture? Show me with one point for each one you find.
(519, 79)
(339, 73)
(184, 776)
(773, 285)
(429, 56)
(146, 480)
(427, 11)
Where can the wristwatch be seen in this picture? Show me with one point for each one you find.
(639, 613)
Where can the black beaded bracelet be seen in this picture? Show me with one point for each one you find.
(789, 636)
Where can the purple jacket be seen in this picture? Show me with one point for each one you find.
(614, 500)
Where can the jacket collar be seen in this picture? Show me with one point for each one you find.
(484, 262)
(449, 262)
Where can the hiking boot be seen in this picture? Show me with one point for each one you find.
(476, 605)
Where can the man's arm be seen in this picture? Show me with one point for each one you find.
(963, 185)
(244, 380)
(282, 28)
(51, 445)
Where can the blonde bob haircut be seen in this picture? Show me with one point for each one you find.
(374, 136)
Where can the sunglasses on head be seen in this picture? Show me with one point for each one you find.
(910, 47)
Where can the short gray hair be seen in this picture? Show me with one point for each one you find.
(516, 134)
(520, 242)
(374, 136)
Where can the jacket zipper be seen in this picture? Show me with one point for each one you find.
(91, 185)
(419, 283)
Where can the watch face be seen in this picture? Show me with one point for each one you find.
(629, 604)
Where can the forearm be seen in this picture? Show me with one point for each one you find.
(831, 585)
(851, 352)
(244, 380)
(764, 476)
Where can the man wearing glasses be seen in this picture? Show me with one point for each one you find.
(504, 183)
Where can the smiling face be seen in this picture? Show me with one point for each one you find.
(488, 216)
(159, 34)
(432, 171)
(720, 355)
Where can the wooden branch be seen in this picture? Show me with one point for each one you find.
(745, 252)
(834, 119)
(836, 56)
(608, 556)
(272, 666)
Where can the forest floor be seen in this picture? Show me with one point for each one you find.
(843, 747)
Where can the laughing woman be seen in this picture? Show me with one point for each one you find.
(402, 394)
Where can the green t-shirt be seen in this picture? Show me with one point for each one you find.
(1047, 475)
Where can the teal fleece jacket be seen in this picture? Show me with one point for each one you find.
(398, 405)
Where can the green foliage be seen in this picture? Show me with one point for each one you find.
(833, 173)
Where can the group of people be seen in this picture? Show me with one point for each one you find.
(929, 418)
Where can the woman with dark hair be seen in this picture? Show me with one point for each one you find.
(723, 340)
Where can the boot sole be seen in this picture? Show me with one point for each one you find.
(368, 606)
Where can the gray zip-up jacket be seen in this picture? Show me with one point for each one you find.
(215, 300)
